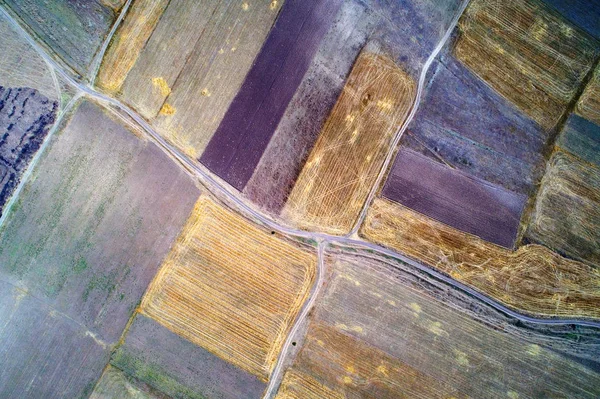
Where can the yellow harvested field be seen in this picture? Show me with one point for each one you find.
(532, 279)
(589, 102)
(351, 148)
(528, 53)
(231, 288)
(22, 66)
(297, 385)
(128, 42)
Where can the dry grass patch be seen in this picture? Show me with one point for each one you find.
(231, 288)
(352, 146)
(531, 279)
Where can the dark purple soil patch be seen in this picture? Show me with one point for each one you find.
(464, 123)
(45, 354)
(239, 142)
(454, 198)
(164, 360)
(25, 119)
(92, 225)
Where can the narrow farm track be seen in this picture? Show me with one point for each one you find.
(218, 188)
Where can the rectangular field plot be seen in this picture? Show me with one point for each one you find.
(74, 30)
(453, 198)
(567, 212)
(528, 53)
(351, 148)
(376, 335)
(532, 279)
(231, 288)
(90, 228)
(174, 366)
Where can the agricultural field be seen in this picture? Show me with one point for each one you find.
(299, 199)
(566, 215)
(153, 356)
(181, 62)
(240, 314)
(98, 193)
(424, 347)
(337, 177)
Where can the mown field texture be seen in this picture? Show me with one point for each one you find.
(454, 198)
(155, 356)
(231, 288)
(350, 150)
(588, 105)
(531, 279)
(567, 212)
(583, 13)
(74, 30)
(85, 237)
(125, 47)
(421, 348)
(181, 63)
(527, 52)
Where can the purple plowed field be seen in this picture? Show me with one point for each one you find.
(454, 198)
(243, 135)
